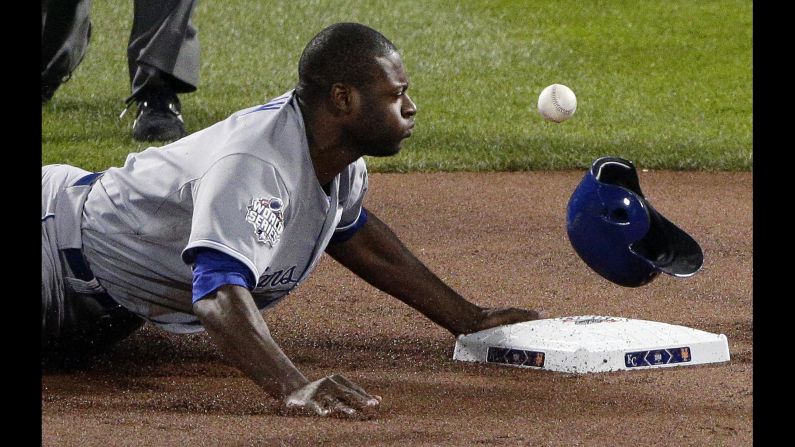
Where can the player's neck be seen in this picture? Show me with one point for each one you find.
(329, 161)
(327, 147)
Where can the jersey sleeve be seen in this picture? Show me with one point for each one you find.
(239, 209)
(353, 186)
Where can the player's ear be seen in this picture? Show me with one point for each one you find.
(343, 97)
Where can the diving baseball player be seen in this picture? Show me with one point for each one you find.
(206, 232)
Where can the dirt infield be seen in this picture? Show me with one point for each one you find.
(499, 239)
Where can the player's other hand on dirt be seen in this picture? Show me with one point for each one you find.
(497, 316)
(333, 395)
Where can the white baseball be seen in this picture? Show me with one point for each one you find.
(557, 103)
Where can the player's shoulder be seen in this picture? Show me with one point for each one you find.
(261, 130)
(354, 173)
(359, 166)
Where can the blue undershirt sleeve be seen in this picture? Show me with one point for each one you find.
(213, 269)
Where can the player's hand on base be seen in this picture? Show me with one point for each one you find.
(333, 395)
(498, 316)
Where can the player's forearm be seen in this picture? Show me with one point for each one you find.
(376, 255)
(235, 324)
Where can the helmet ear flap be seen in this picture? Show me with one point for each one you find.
(668, 248)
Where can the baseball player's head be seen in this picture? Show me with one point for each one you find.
(356, 74)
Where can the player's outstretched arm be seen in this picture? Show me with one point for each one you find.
(377, 255)
(235, 324)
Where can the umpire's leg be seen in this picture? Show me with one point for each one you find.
(164, 46)
(65, 32)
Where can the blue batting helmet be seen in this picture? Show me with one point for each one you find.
(617, 232)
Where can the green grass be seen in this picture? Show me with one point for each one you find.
(667, 84)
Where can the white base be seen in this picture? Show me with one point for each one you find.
(589, 343)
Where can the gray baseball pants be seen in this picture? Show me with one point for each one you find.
(78, 317)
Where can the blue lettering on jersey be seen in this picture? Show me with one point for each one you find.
(273, 104)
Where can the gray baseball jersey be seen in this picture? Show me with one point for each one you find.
(245, 186)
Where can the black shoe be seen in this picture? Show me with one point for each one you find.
(159, 117)
(47, 91)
